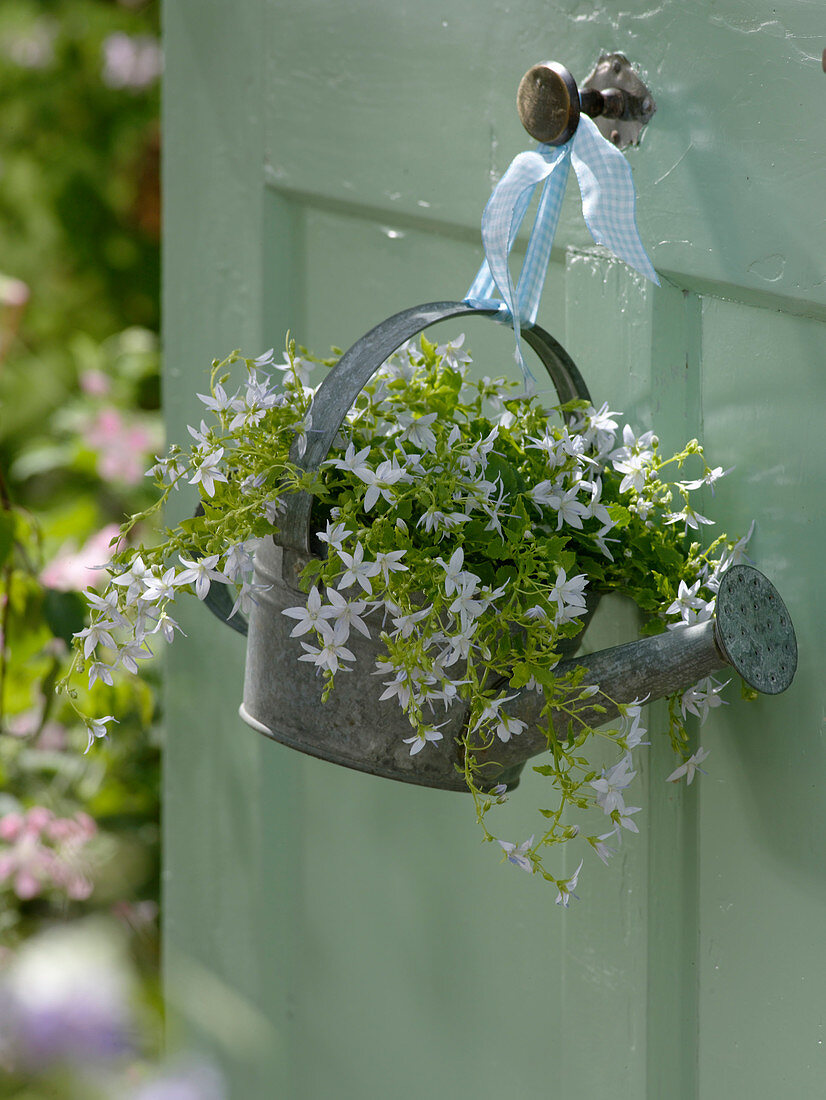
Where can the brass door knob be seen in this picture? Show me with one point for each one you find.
(548, 103)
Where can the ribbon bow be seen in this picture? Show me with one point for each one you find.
(608, 206)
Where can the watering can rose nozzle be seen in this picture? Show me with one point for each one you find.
(753, 630)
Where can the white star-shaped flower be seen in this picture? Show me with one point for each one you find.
(701, 698)
(518, 854)
(380, 481)
(333, 649)
(308, 616)
(690, 766)
(160, 588)
(687, 599)
(566, 887)
(217, 401)
(420, 739)
(97, 729)
(390, 561)
(418, 431)
(201, 573)
(348, 612)
(709, 478)
(569, 595)
(357, 570)
(133, 579)
(355, 462)
(611, 783)
(635, 469)
(208, 473)
(98, 633)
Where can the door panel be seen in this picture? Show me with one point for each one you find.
(333, 934)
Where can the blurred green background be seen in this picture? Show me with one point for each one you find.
(79, 423)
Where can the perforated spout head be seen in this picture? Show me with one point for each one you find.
(754, 630)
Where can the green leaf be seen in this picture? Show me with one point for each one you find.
(43, 459)
(664, 585)
(748, 692)
(428, 349)
(544, 676)
(552, 548)
(311, 572)
(545, 769)
(64, 612)
(505, 573)
(620, 515)
(511, 478)
(521, 675)
(498, 550)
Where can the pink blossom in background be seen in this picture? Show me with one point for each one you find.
(131, 61)
(39, 852)
(136, 915)
(52, 738)
(13, 292)
(69, 1002)
(75, 570)
(95, 383)
(105, 428)
(122, 447)
(25, 723)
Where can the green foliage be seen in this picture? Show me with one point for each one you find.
(78, 208)
(78, 406)
(79, 399)
(79, 205)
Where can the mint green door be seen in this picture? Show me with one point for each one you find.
(332, 935)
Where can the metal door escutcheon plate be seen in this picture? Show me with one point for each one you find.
(613, 72)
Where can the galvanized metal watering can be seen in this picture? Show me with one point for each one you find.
(752, 631)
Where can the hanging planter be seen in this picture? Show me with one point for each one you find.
(419, 554)
(284, 698)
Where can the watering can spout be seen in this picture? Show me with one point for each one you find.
(751, 632)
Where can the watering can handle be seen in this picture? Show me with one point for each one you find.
(357, 366)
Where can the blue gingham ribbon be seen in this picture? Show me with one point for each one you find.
(608, 206)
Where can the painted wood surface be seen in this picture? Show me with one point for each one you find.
(329, 934)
